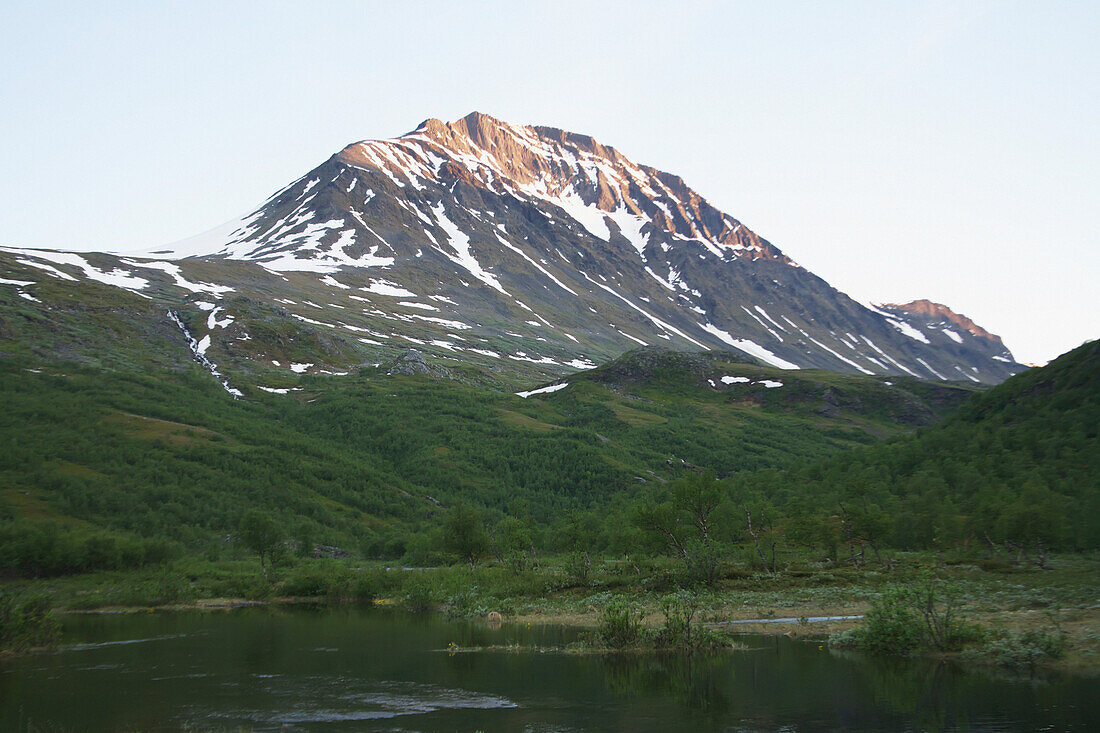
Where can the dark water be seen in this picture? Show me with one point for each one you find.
(356, 669)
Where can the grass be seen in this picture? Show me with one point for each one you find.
(29, 505)
(525, 422)
(150, 428)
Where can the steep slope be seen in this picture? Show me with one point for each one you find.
(523, 251)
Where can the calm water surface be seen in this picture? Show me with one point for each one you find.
(376, 670)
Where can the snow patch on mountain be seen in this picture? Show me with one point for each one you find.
(908, 330)
(117, 277)
(460, 243)
(384, 287)
(176, 273)
(543, 390)
(20, 283)
(749, 347)
(952, 335)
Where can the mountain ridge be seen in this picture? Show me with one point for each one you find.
(492, 243)
(929, 309)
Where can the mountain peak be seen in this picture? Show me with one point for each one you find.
(475, 130)
(468, 126)
(594, 184)
(527, 248)
(931, 311)
(478, 126)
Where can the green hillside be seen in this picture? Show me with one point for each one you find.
(368, 460)
(1017, 468)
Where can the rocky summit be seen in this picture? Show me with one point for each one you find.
(520, 252)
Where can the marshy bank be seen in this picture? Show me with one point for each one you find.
(1052, 610)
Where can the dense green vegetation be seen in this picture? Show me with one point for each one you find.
(1016, 469)
(25, 622)
(106, 469)
(115, 469)
(906, 618)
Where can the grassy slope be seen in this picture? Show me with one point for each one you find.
(166, 452)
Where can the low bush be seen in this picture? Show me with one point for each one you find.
(418, 596)
(36, 550)
(578, 567)
(466, 604)
(680, 631)
(369, 585)
(250, 586)
(25, 622)
(908, 618)
(316, 581)
(891, 626)
(619, 625)
(1026, 650)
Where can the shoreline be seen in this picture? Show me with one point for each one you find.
(811, 623)
(1018, 609)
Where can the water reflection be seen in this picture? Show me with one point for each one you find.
(352, 669)
(776, 683)
(700, 682)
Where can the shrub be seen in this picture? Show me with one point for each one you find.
(168, 587)
(419, 552)
(368, 585)
(25, 622)
(304, 541)
(311, 581)
(259, 532)
(680, 632)
(418, 595)
(1027, 649)
(846, 639)
(465, 604)
(702, 561)
(676, 633)
(578, 565)
(464, 534)
(907, 618)
(157, 550)
(249, 586)
(45, 549)
(891, 626)
(619, 625)
(936, 602)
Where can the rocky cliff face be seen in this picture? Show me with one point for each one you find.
(939, 314)
(502, 245)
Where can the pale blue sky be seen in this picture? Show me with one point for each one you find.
(946, 150)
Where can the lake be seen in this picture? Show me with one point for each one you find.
(357, 669)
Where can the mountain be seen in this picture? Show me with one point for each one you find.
(521, 253)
